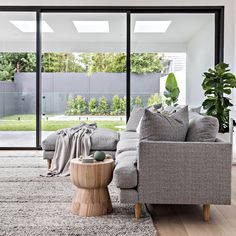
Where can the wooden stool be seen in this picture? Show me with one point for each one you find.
(91, 197)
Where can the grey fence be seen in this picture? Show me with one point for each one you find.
(18, 97)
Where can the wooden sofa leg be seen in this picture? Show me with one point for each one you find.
(206, 212)
(138, 210)
(49, 163)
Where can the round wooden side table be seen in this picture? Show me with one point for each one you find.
(91, 196)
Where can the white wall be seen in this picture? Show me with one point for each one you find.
(200, 57)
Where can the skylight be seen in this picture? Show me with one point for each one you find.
(29, 26)
(92, 26)
(151, 26)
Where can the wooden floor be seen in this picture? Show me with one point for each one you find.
(184, 220)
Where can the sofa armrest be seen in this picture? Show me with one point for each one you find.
(184, 172)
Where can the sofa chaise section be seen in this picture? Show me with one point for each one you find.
(101, 140)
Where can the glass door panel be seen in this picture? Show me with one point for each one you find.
(83, 70)
(164, 43)
(17, 79)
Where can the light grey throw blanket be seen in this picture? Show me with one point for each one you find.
(71, 143)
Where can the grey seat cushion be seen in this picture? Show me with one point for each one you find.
(125, 155)
(104, 139)
(49, 143)
(125, 173)
(101, 139)
(128, 135)
(160, 127)
(134, 118)
(202, 129)
(127, 145)
(48, 155)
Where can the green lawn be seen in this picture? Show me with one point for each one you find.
(27, 123)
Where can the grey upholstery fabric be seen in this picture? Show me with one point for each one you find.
(184, 172)
(159, 127)
(128, 135)
(126, 145)
(128, 196)
(48, 155)
(49, 143)
(196, 109)
(202, 129)
(125, 172)
(134, 118)
(101, 139)
(125, 155)
(104, 139)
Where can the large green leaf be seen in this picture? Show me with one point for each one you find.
(172, 90)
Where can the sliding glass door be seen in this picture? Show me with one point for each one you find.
(59, 67)
(83, 70)
(183, 44)
(17, 79)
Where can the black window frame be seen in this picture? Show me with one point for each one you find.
(218, 11)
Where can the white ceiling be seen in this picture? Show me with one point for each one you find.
(181, 30)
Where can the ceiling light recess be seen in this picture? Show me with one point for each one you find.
(151, 26)
(29, 26)
(92, 26)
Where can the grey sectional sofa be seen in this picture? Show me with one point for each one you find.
(161, 172)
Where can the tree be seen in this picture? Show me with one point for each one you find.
(10, 63)
(142, 63)
(61, 62)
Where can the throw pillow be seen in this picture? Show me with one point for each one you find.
(134, 118)
(202, 129)
(160, 127)
(196, 109)
(155, 107)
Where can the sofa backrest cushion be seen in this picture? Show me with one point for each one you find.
(202, 129)
(161, 127)
(134, 118)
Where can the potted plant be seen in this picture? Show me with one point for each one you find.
(218, 84)
(172, 90)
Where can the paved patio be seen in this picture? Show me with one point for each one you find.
(20, 138)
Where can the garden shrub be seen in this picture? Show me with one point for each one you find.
(124, 104)
(92, 106)
(71, 108)
(81, 105)
(117, 105)
(154, 99)
(138, 101)
(103, 107)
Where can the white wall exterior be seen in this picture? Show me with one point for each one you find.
(200, 57)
